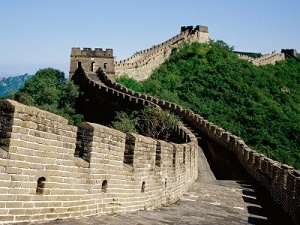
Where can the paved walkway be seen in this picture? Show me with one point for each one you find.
(209, 201)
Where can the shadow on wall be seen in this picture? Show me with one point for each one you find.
(223, 163)
(98, 106)
(261, 206)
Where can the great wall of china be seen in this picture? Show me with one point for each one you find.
(141, 65)
(51, 170)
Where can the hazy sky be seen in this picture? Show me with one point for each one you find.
(40, 33)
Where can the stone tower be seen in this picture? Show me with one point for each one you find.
(91, 60)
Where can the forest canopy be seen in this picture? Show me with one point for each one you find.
(49, 90)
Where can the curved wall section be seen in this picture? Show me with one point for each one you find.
(282, 181)
(51, 170)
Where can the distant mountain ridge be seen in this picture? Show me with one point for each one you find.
(9, 85)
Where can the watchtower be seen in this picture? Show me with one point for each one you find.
(90, 60)
(198, 33)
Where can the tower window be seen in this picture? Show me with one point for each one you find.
(93, 66)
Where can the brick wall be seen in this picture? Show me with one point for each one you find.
(50, 170)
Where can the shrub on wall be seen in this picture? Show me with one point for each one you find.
(156, 123)
(125, 122)
(150, 121)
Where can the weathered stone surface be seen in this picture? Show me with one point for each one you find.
(207, 202)
(42, 172)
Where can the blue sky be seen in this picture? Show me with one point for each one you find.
(40, 33)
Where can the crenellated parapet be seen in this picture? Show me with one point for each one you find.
(90, 60)
(140, 65)
(88, 52)
(52, 170)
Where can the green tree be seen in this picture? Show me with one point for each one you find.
(49, 90)
(125, 122)
(129, 83)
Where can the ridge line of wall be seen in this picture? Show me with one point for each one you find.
(141, 65)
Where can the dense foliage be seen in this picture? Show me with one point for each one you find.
(125, 122)
(130, 83)
(150, 121)
(48, 89)
(9, 85)
(259, 104)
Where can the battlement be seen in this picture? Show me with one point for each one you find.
(289, 51)
(89, 52)
(193, 29)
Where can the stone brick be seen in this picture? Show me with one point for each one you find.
(20, 163)
(37, 217)
(23, 218)
(17, 211)
(18, 191)
(5, 189)
(13, 170)
(31, 147)
(6, 218)
(32, 211)
(19, 143)
(13, 204)
(7, 198)
(23, 198)
(3, 211)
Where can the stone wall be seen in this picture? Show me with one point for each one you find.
(282, 181)
(51, 170)
(271, 58)
(141, 65)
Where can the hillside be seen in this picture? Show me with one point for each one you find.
(12, 84)
(259, 104)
